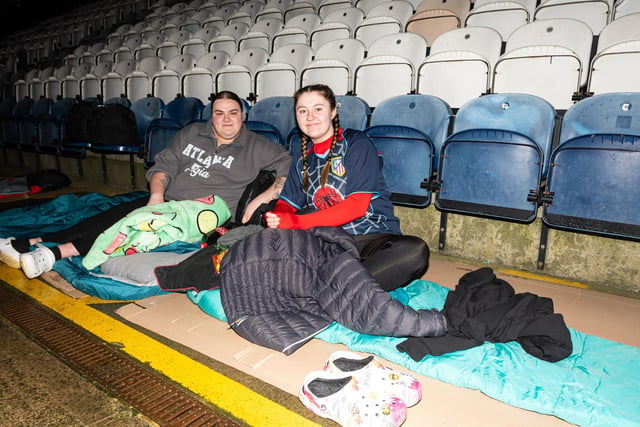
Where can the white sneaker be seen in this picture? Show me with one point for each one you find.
(36, 262)
(8, 254)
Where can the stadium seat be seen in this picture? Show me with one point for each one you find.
(326, 7)
(427, 114)
(260, 34)
(281, 75)
(624, 7)
(296, 30)
(334, 64)
(502, 16)
(199, 81)
(227, 40)
(146, 109)
(183, 110)
(594, 13)
(354, 112)
(28, 124)
(91, 83)
(617, 57)
(464, 55)
(402, 128)
(397, 55)
(298, 8)
(10, 132)
(51, 128)
(159, 134)
(548, 58)
(113, 83)
(167, 83)
(138, 82)
(593, 185)
(435, 17)
(277, 111)
(52, 86)
(70, 84)
(239, 75)
(339, 24)
(385, 18)
(493, 163)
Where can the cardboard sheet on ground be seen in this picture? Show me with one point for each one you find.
(596, 386)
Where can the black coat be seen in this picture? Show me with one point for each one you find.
(485, 308)
(281, 287)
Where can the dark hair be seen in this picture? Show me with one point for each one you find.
(328, 94)
(227, 94)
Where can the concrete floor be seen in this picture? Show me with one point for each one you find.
(37, 389)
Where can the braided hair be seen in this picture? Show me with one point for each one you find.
(328, 94)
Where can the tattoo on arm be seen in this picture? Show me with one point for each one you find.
(164, 181)
(277, 186)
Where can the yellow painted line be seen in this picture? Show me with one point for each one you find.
(227, 394)
(543, 278)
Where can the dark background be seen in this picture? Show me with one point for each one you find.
(18, 15)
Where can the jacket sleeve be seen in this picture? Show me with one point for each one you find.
(350, 295)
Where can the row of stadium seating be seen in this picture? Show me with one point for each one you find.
(501, 156)
(196, 51)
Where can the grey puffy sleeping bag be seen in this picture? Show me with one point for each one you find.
(281, 287)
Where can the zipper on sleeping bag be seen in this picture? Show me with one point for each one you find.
(237, 322)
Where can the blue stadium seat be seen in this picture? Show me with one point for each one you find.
(28, 124)
(146, 109)
(51, 127)
(267, 130)
(275, 110)
(354, 112)
(493, 163)
(425, 113)
(593, 184)
(183, 110)
(160, 132)
(10, 134)
(604, 113)
(406, 162)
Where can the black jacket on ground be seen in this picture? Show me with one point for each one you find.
(485, 308)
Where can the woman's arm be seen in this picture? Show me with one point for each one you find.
(352, 207)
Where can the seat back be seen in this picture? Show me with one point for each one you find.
(159, 133)
(594, 13)
(496, 157)
(548, 58)
(464, 55)
(276, 110)
(354, 112)
(605, 113)
(183, 110)
(397, 55)
(146, 109)
(427, 114)
(593, 181)
(502, 16)
(281, 75)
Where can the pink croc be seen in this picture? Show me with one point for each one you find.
(344, 400)
(372, 374)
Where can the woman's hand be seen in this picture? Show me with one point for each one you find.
(273, 220)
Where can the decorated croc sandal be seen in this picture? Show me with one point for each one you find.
(344, 400)
(372, 374)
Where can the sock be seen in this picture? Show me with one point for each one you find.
(21, 245)
(56, 252)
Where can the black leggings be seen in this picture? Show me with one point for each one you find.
(84, 233)
(393, 260)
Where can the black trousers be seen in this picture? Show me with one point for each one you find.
(84, 233)
(393, 260)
